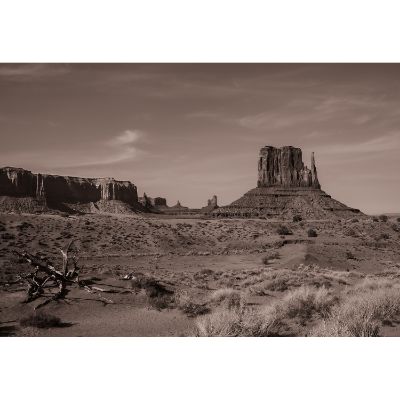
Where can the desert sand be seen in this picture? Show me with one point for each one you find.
(211, 267)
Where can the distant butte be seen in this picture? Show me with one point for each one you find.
(39, 192)
(286, 187)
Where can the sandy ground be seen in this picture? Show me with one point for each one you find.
(192, 256)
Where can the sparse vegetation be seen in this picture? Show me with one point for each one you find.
(350, 255)
(303, 303)
(234, 322)
(383, 218)
(312, 233)
(362, 314)
(284, 230)
(190, 306)
(297, 218)
(228, 298)
(271, 320)
(350, 232)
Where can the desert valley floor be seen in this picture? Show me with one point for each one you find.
(205, 273)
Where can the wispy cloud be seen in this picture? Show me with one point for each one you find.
(119, 148)
(384, 143)
(24, 72)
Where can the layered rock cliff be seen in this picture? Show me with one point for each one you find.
(284, 167)
(17, 182)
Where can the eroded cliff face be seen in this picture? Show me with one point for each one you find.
(17, 182)
(284, 167)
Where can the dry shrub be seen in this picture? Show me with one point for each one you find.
(370, 283)
(350, 232)
(312, 233)
(363, 313)
(304, 303)
(297, 218)
(227, 298)
(189, 306)
(284, 279)
(284, 230)
(41, 320)
(383, 218)
(277, 283)
(235, 322)
(396, 228)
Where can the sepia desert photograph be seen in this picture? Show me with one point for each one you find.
(199, 199)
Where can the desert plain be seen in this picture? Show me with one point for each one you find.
(160, 275)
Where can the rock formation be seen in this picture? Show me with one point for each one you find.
(53, 190)
(212, 204)
(284, 167)
(285, 187)
(160, 202)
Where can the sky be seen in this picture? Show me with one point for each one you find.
(188, 131)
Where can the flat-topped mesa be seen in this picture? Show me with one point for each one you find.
(17, 182)
(284, 167)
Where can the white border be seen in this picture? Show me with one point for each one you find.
(199, 31)
(194, 368)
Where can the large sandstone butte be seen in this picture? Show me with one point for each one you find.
(286, 187)
(34, 191)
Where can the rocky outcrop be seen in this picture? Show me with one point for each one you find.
(286, 187)
(212, 204)
(284, 167)
(17, 182)
(153, 204)
(160, 202)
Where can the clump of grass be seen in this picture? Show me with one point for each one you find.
(312, 233)
(305, 302)
(302, 304)
(383, 236)
(383, 218)
(278, 283)
(351, 232)
(191, 308)
(284, 230)
(234, 322)
(363, 313)
(297, 218)
(227, 298)
(41, 320)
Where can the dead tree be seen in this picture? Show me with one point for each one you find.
(46, 276)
